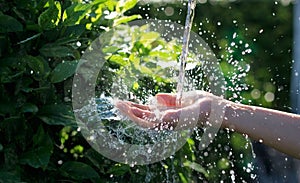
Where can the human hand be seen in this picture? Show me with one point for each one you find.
(164, 113)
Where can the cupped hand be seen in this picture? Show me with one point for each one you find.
(163, 112)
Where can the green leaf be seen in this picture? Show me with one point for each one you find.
(146, 70)
(74, 13)
(9, 24)
(50, 17)
(52, 50)
(9, 176)
(125, 19)
(40, 68)
(123, 6)
(78, 171)
(42, 139)
(151, 65)
(35, 64)
(163, 55)
(95, 2)
(57, 114)
(37, 157)
(110, 5)
(14, 126)
(15, 62)
(7, 106)
(149, 37)
(110, 49)
(118, 59)
(195, 166)
(65, 40)
(119, 169)
(75, 30)
(96, 159)
(73, 18)
(29, 107)
(63, 70)
(182, 178)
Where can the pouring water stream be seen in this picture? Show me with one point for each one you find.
(185, 49)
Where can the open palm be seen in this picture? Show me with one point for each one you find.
(164, 113)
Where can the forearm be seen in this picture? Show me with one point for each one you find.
(277, 129)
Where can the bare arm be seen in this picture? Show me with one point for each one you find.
(277, 129)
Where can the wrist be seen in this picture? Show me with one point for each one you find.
(215, 111)
(229, 111)
(234, 112)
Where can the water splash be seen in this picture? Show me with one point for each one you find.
(126, 131)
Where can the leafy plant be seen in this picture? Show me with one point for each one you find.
(41, 43)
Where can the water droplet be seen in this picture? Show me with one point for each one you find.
(205, 153)
(60, 162)
(234, 35)
(279, 139)
(78, 43)
(247, 68)
(169, 11)
(269, 97)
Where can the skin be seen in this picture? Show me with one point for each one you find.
(277, 129)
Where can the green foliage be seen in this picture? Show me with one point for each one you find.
(49, 19)
(39, 155)
(40, 45)
(62, 71)
(139, 54)
(267, 31)
(79, 171)
(9, 24)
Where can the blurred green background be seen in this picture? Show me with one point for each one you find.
(41, 42)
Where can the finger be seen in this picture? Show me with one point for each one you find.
(141, 120)
(124, 107)
(141, 111)
(166, 99)
(143, 114)
(136, 115)
(140, 106)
